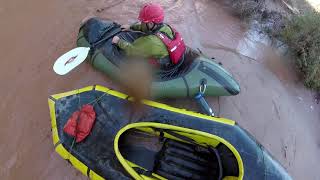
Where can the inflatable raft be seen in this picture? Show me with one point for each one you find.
(182, 80)
(157, 142)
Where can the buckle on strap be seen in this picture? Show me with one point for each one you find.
(143, 171)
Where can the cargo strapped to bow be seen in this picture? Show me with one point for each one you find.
(80, 123)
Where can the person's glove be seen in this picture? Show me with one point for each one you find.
(115, 40)
(125, 27)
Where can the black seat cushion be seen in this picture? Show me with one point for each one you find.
(179, 160)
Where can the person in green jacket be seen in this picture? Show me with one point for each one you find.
(150, 46)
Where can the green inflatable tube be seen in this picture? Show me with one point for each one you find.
(196, 70)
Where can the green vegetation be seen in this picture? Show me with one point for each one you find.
(302, 35)
(300, 32)
(247, 9)
(270, 21)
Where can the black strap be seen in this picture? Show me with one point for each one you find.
(173, 33)
(88, 172)
(143, 172)
(94, 45)
(216, 152)
(155, 30)
(164, 33)
(113, 33)
(161, 136)
(184, 138)
(109, 28)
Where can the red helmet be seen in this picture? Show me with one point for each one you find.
(151, 12)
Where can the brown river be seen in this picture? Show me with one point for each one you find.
(273, 105)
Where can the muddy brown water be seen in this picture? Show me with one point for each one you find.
(273, 105)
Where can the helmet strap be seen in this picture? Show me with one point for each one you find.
(156, 27)
(151, 28)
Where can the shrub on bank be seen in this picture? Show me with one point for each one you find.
(250, 11)
(302, 35)
(246, 9)
(300, 32)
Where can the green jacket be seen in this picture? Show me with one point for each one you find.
(149, 46)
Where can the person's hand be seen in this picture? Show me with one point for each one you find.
(115, 40)
(125, 27)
